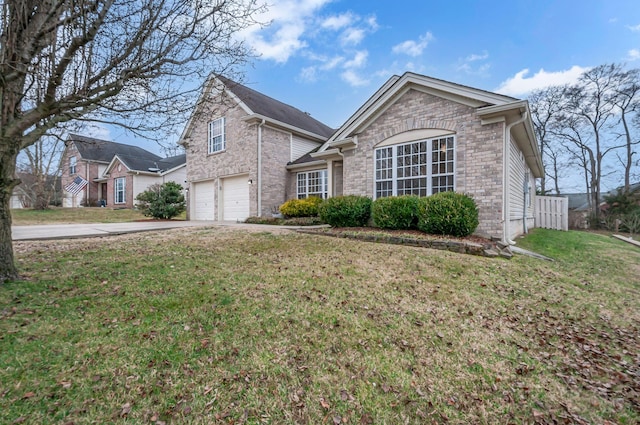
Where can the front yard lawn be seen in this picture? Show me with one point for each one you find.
(227, 326)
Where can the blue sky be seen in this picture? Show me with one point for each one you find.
(327, 57)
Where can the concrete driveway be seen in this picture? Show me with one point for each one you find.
(66, 231)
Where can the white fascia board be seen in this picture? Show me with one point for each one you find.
(319, 163)
(281, 125)
(495, 110)
(112, 163)
(348, 143)
(349, 124)
(171, 170)
(326, 154)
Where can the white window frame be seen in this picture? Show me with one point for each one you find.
(308, 183)
(420, 167)
(216, 141)
(120, 181)
(73, 164)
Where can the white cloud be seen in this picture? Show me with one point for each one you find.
(352, 36)
(97, 130)
(475, 57)
(412, 47)
(634, 28)
(358, 61)
(289, 20)
(338, 21)
(633, 55)
(473, 64)
(351, 77)
(309, 74)
(519, 84)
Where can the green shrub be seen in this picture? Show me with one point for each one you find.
(162, 201)
(301, 207)
(395, 212)
(448, 213)
(346, 211)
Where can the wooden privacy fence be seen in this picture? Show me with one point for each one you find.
(552, 212)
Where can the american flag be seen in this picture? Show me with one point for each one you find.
(76, 185)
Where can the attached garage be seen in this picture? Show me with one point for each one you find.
(235, 198)
(204, 200)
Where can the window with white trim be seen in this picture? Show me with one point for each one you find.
(418, 168)
(217, 137)
(312, 183)
(73, 161)
(119, 185)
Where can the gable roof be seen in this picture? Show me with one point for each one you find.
(396, 86)
(487, 104)
(148, 166)
(98, 150)
(271, 109)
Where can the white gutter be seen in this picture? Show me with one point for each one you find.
(505, 177)
(260, 167)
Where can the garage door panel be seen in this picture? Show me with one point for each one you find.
(235, 198)
(204, 200)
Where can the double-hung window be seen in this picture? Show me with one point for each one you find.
(312, 183)
(73, 161)
(119, 185)
(217, 139)
(418, 168)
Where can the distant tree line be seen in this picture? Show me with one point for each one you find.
(590, 129)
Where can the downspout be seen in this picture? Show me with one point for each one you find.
(505, 175)
(524, 202)
(260, 167)
(86, 172)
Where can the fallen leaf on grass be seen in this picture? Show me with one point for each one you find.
(126, 408)
(324, 403)
(29, 395)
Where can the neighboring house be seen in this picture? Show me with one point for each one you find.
(115, 173)
(415, 135)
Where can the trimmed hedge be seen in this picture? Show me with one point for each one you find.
(448, 213)
(346, 211)
(301, 207)
(396, 212)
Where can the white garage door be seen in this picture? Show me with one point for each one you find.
(235, 198)
(203, 200)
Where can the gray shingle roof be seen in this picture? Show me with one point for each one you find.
(274, 109)
(102, 150)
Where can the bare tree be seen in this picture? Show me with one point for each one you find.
(546, 107)
(626, 97)
(133, 62)
(586, 122)
(40, 164)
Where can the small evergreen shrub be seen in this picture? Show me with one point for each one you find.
(448, 213)
(346, 211)
(162, 201)
(307, 207)
(395, 212)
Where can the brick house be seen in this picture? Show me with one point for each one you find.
(415, 135)
(115, 173)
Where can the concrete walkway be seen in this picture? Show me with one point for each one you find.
(70, 231)
(67, 231)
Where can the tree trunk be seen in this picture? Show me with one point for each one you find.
(8, 181)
